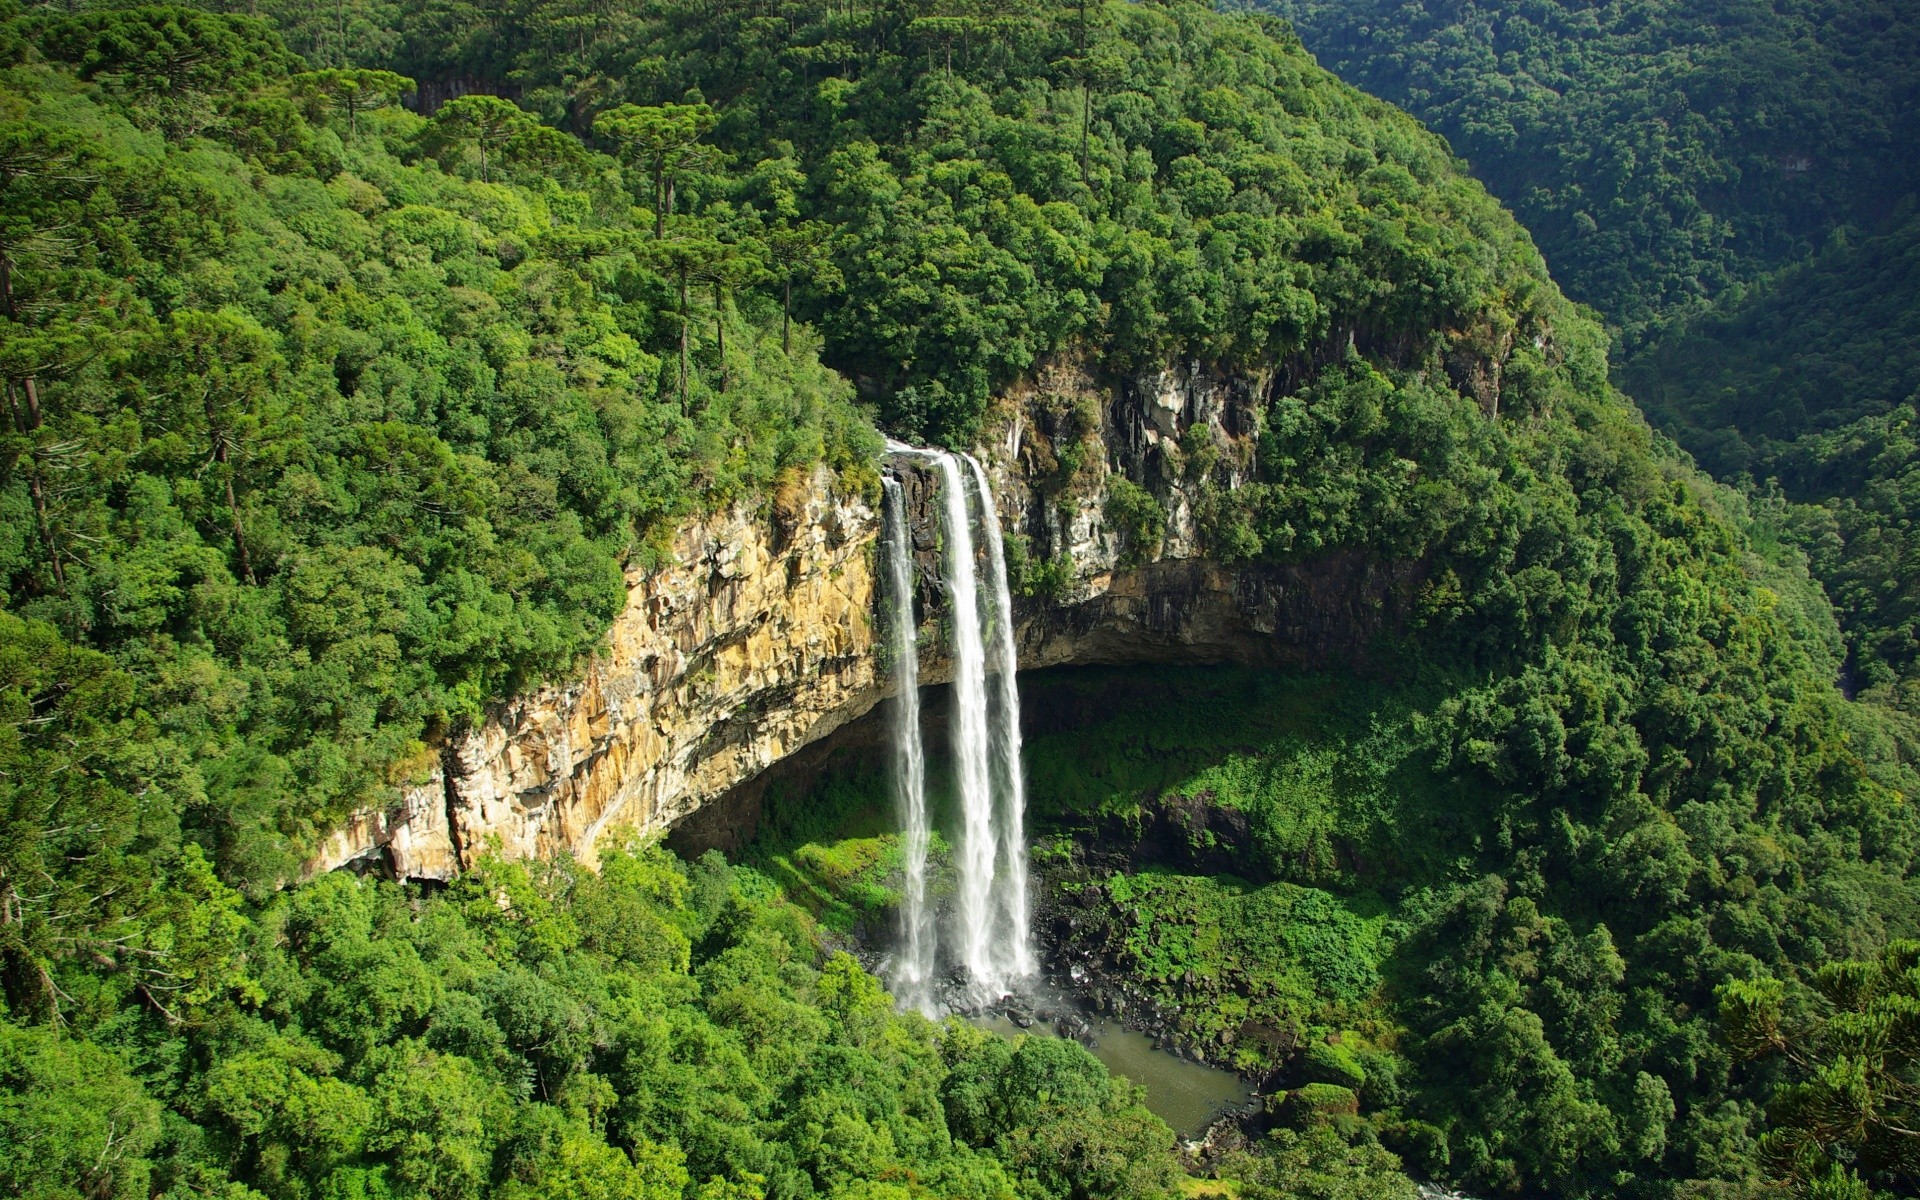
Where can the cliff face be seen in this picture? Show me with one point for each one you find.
(762, 636)
(754, 642)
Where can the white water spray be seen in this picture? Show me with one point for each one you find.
(1016, 944)
(995, 944)
(972, 765)
(913, 964)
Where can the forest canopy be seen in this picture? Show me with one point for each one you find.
(1661, 151)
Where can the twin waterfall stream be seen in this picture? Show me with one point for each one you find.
(994, 944)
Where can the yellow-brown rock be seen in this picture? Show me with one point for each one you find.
(753, 641)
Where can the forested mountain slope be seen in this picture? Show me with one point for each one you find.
(332, 424)
(1667, 155)
(1810, 380)
(1659, 151)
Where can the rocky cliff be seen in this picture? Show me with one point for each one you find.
(755, 640)
(760, 637)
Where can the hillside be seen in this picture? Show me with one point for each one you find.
(1660, 152)
(334, 426)
(1809, 383)
(1731, 185)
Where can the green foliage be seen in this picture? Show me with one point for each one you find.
(1149, 180)
(1052, 1112)
(73, 1122)
(326, 443)
(1660, 152)
(1517, 944)
(1842, 1123)
(1135, 512)
(330, 425)
(1317, 1105)
(1333, 1063)
(1265, 954)
(354, 90)
(1759, 156)
(93, 874)
(1808, 383)
(647, 1033)
(1319, 1164)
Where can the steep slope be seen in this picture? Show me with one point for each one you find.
(1758, 156)
(1660, 151)
(1810, 383)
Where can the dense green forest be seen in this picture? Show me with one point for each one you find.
(331, 423)
(1732, 186)
(1660, 151)
(1808, 384)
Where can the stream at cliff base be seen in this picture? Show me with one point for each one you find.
(1186, 1095)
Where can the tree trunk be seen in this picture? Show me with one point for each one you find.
(659, 208)
(683, 339)
(27, 424)
(786, 315)
(720, 331)
(42, 519)
(1086, 125)
(233, 512)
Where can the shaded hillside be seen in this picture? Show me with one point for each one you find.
(1660, 152)
(1810, 380)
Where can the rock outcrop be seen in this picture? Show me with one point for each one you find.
(759, 636)
(753, 641)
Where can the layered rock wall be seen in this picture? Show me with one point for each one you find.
(753, 641)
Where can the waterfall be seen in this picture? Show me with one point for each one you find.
(995, 944)
(1017, 943)
(913, 964)
(972, 768)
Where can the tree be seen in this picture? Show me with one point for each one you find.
(219, 369)
(660, 138)
(354, 89)
(44, 174)
(1849, 1119)
(90, 872)
(544, 148)
(685, 257)
(73, 1123)
(171, 61)
(1319, 1164)
(732, 265)
(1096, 68)
(488, 122)
(337, 33)
(800, 251)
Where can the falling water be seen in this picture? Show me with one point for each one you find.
(1016, 946)
(972, 769)
(913, 964)
(995, 945)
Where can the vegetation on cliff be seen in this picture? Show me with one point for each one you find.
(1470, 923)
(332, 423)
(332, 428)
